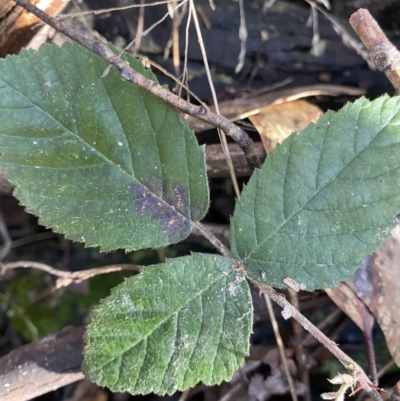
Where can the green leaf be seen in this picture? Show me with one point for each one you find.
(324, 200)
(172, 326)
(97, 158)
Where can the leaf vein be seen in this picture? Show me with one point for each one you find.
(178, 310)
(310, 199)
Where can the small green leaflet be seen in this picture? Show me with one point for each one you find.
(174, 325)
(324, 200)
(98, 159)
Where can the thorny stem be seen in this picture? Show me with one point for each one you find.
(128, 74)
(321, 325)
(290, 311)
(215, 241)
(221, 135)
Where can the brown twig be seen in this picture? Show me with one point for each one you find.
(172, 76)
(65, 277)
(290, 311)
(216, 164)
(384, 54)
(325, 322)
(214, 240)
(128, 74)
(221, 231)
(221, 133)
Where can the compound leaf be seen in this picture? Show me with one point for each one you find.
(324, 200)
(172, 326)
(97, 158)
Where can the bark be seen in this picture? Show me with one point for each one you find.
(42, 366)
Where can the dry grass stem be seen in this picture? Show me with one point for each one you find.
(175, 40)
(341, 30)
(138, 37)
(107, 10)
(221, 134)
(242, 37)
(184, 79)
(65, 277)
(173, 77)
(300, 354)
(139, 29)
(281, 348)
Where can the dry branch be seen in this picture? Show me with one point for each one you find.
(384, 54)
(65, 278)
(42, 366)
(243, 107)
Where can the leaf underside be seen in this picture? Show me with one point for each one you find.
(97, 158)
(172, 326)
(324, 200)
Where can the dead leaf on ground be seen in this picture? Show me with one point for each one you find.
(276, 122)
(377, 284)
(243, 107)
(261, 387)
(345, 298)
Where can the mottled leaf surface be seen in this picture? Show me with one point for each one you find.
(174, 325)
(324, 200)
(97, 158)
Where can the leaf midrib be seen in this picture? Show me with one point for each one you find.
(175, 312)
(101, 155)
